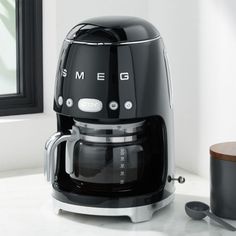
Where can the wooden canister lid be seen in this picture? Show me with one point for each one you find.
(224, 151)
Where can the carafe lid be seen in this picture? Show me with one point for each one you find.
(110, 129)
(113, 30)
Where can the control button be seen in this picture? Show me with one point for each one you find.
(128, 105)
(90, 105)
(60, 100)
(69, 102)
(113, 105)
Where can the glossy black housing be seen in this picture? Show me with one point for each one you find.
(113, 29)
(114, 46)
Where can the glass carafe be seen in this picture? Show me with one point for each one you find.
(108, 158)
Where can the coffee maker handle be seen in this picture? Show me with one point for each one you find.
(50, 159)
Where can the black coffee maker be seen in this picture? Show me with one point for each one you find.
(113, 153)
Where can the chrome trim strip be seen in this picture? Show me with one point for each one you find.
(140, 41)
(108, 44)
(136, 214)
(96, 139)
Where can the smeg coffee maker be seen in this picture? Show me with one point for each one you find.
(113, 153)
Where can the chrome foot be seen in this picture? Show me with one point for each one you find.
(141, 217)
(56, 210)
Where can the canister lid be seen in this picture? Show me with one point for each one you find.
(224, 151)
(113, 30)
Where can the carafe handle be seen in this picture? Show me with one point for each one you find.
(50, 159)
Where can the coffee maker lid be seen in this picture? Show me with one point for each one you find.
(109, 30)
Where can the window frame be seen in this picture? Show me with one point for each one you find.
(29, 56)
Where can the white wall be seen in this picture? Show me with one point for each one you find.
(217, 80)
(200, 37)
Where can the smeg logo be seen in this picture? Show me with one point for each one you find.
(100, 76)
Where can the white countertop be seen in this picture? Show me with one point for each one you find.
(25, 209)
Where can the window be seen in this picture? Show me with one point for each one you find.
(21, 74)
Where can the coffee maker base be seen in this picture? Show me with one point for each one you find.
(136, 214)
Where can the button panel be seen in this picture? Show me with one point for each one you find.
(90, 105)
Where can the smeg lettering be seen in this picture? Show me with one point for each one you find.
(99, 76)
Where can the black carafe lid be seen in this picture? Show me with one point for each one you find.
(113, 30)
